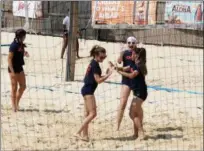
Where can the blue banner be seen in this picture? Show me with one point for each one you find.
(184, 14)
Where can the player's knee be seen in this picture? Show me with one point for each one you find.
(22, 87)
(131, 115)
(14, 88)
(93, 114)
(86, 114)
(137, 120)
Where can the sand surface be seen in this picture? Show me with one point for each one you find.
(51, 110)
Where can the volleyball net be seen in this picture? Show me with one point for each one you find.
(52, 110)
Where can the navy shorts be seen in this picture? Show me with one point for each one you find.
(126, 81)
(88, 89)
(17, 69)
(140, 93)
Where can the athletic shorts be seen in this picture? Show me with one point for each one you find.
(126, 81)
(140, 93)
(88, 89)
(17, 69)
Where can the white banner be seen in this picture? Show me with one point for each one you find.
(34, 8)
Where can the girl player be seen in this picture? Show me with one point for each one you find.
(137, 73)
(126, 58)
(15, 67)
(92, 79)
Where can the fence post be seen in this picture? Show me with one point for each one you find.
(71, 53)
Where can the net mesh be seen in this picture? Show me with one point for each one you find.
(51, 110)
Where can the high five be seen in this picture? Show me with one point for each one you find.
(126, 58)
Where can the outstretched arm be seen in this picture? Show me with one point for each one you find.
(129, 75)
(127, 68)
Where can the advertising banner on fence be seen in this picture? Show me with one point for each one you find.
(184, 14)
(113, 12)
(141, 13)
(34, 9)
(123, 12)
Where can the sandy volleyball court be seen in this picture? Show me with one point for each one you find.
(51, 110)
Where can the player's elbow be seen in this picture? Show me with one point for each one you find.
(119, 61)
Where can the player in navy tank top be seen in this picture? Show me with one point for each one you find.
(126, 58)
(92, 79)
(136, 73)
(15, 67)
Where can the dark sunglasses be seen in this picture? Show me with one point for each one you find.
(131, 43)
(103, 57)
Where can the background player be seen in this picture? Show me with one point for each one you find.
(126, 58)
(66, 25)
(15, 67)
(92, 79)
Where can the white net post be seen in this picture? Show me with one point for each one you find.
(26, 26)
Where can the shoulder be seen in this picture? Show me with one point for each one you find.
(94, 63)
(66, 19)
(14, 46)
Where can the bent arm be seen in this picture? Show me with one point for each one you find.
(100, 79)
(129, 75)
(123, 68)
(10, 57)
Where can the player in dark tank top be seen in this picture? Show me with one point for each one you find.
(92, 78)
(126, 58)
(15, 67)
(136, 73)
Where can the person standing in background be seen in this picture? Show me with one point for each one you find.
(198, 13)
(66, 25)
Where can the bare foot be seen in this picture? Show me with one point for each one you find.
(142, 135)
(135, 136)
(14, 109)
(78, 136)
(85, 138)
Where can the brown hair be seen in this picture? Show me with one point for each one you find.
(96, 50)
(141, 52)
(18, 35)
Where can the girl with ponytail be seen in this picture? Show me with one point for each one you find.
(92, 78)
(137, 72)
(15, 67)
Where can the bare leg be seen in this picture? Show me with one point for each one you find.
(125, 92)
(22, 86)
(139, 115)
(132, 115)
(86, 113)
(65, 43)
(91, 108)
(14, 87)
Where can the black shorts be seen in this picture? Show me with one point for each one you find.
(126, 81)
(16, 69)
(88, 89)
(140, 93)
